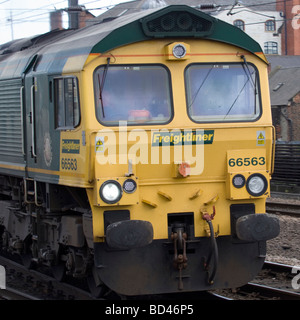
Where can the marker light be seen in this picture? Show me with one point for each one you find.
(110, 191)
(257, 184)
(129, 186)
(238, 181)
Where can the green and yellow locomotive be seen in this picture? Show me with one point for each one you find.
(138, 153)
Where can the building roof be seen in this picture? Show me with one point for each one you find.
(283, 61)
(211, 5)
(284, 85)
(284, 79)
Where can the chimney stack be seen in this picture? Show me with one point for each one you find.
(56, 20)
(73, 12)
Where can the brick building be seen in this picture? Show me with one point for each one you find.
(56, 19)
(290, 11)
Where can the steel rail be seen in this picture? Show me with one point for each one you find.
(13, 294)
(269, 292)
(283, 207)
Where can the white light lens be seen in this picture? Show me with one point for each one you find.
(257, 185)
(179, 51)
(110, 192)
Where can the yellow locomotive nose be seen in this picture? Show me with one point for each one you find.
(145, 162)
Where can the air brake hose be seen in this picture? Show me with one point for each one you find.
(213, 252)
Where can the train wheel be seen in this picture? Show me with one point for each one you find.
(96, 286)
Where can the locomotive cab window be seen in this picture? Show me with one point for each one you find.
(66, 99)
(222, 92)
(138, 94)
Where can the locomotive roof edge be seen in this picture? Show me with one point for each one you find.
(55, 47)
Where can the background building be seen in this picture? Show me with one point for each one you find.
(285, 96)
(258, 18)
(263, 23)
(290, 10)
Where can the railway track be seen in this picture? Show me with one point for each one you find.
(254, 291)
(284, 204)
(263, 292)
(28, 284)
(13, 294)
(283, 208)
(276, 283)
(273, 283)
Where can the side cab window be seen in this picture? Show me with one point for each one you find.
(66, 103)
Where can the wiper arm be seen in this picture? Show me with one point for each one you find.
(254, 83)
(236, 99)
(249, 75)
(101, 85)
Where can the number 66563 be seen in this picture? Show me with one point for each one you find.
(254, 161)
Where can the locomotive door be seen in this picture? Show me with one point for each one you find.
(27, 105)
(30, 122)
(42, 139)
(33, 97)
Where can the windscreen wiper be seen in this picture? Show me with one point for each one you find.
(236, 99)
(101, 85)
(249, 79)
(249, 75)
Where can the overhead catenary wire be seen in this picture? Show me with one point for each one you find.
(223, 7)
(41, 14)
(21, 14)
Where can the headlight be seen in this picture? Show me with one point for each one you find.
(179, 51)
(110, 191)
(257, 185)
